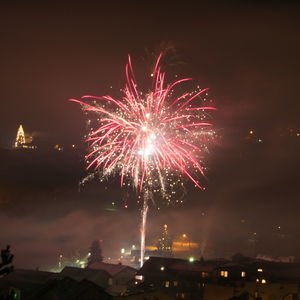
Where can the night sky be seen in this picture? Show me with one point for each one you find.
(247, 54)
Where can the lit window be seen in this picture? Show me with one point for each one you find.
(139, 277)
(175, 283)
(167, 284)
(259, 270)
(243, 274)
(263, 281)
(204, 274)
(224, 273)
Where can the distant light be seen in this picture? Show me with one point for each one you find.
(260, 270)
(139, 277)
(184, 235)
(191, 259)
(263, 281)
(89, 254)
(162, 268)
(243, 274)
(122, 250)
(133, 246)
(224, 274)
(251, 131)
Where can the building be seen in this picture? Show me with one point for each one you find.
(23, 282)
(101, 280)
(69, 289)
(222, 279)
(121, 276)
(181, 278)
(100, 277)
(149, 295)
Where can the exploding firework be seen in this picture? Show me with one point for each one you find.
(151, 140)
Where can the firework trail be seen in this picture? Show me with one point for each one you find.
(150, 140)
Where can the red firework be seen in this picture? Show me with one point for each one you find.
(149, 137)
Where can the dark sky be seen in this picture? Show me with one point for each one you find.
(247, 54)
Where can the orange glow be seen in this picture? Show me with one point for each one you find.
(184, 246)
(151, 248)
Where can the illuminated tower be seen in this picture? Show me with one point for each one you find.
(20, 139)
(164, 244)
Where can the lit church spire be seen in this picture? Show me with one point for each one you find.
(20, 139)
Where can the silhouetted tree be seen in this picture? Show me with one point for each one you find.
(7, 259)
(95, 253)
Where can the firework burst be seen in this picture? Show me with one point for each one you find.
(148, 138)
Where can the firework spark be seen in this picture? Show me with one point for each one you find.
(146, 138)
